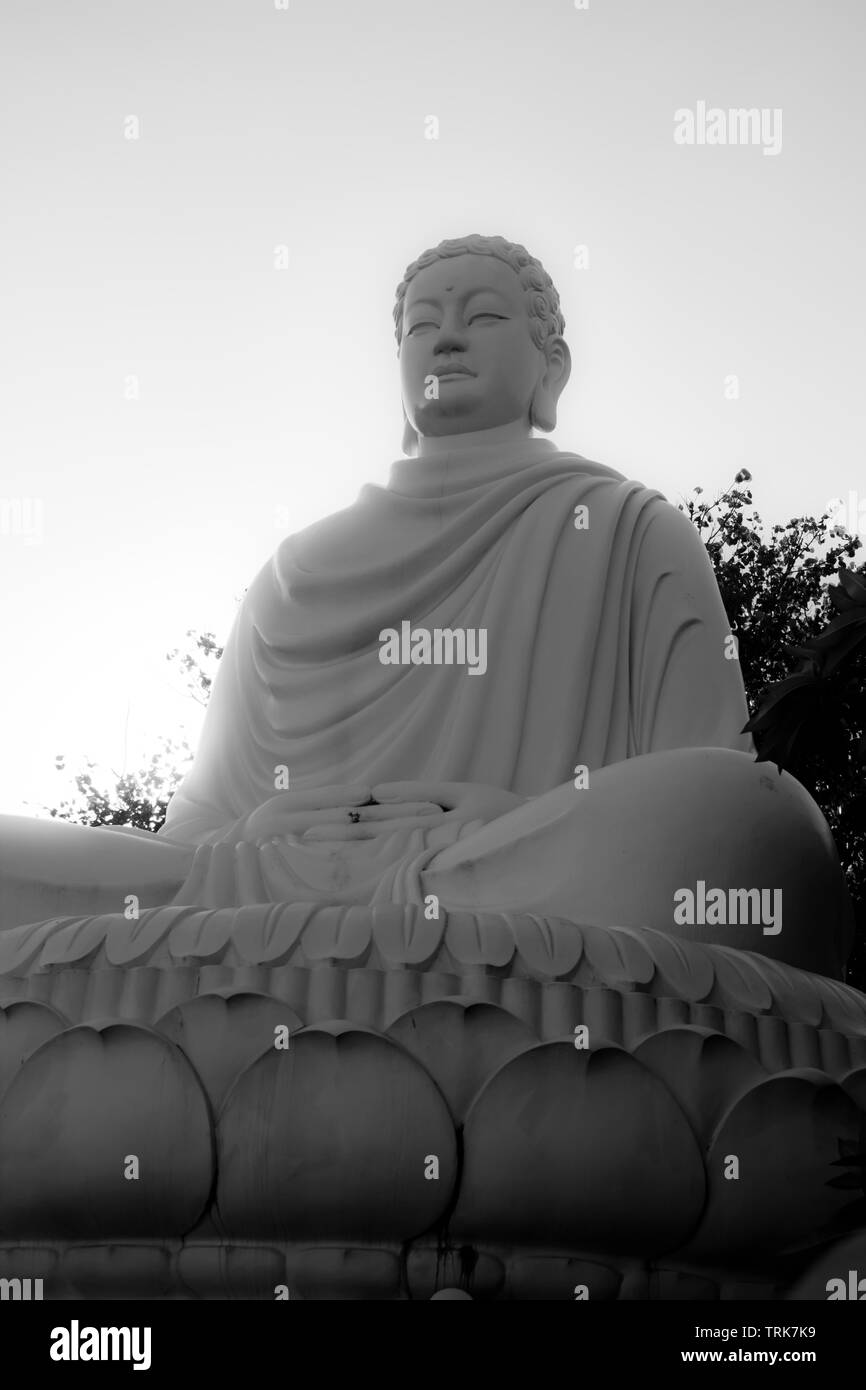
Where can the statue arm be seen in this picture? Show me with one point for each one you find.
(209, 805)
(687, 687)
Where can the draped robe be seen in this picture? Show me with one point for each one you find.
(605, 640)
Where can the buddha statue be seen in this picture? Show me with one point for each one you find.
(476, 946)
(502, 682)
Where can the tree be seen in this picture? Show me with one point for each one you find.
(138, 799)
(141, 798)
(198, 667)
(785, 612)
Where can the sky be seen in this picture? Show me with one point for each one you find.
(208, 204)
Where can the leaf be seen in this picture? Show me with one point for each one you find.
(777, 748)
(804, 653)
(844, 650)
(794, 688)
(853, 618)
(840, 599)
(854, 584)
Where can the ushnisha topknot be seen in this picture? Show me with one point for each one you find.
(545, 316)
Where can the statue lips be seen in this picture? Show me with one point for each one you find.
(451, 370)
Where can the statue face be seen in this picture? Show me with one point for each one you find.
(465, 322)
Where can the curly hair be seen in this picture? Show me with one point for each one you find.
(545, 315)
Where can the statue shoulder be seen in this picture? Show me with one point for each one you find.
(563, 464)
(669, 526)
(313, 546)
(663, 533)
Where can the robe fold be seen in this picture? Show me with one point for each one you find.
(604, 640)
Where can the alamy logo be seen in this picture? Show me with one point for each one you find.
(22, 517)
(701, 907)
(21, 1290)
(77, 1343)
(443, 646)
(856, 1288)
(738, 126)
(850, 514)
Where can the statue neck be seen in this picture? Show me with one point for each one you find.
(429, 446)
(469, 461)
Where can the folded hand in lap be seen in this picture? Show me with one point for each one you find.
(356, 812)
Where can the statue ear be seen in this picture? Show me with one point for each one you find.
(542, 411)
(410, 438)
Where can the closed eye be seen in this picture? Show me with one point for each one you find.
(425, 323)
(475, 317)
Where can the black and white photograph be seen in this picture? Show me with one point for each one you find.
(433, 715)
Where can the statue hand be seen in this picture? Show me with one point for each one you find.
(292, 812)
(467, 800)
(458, 802)
(325, 813)
(354, 812)
(402, 806)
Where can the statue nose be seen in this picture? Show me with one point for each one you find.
(449, 339)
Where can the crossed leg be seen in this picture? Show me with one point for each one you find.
(617, 852)
(52, 868)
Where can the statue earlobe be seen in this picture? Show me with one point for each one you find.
(410, 438)
(542, 411)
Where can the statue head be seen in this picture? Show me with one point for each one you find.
(479, 335)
